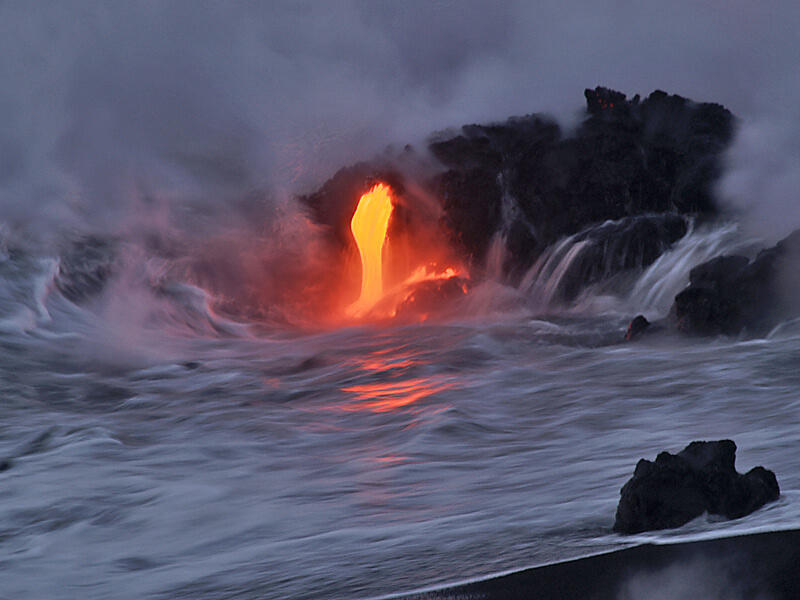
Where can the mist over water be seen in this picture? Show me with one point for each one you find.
(138, 111)
(178, 418)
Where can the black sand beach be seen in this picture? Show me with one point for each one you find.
(761, 565)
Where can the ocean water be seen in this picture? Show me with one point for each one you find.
(192, 455)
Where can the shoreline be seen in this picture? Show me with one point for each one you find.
(763, 565)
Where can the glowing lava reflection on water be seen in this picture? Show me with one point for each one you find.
(393, 384)
(385, 396)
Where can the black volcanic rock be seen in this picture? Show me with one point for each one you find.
(731, 294)
(618, 246)
(602, 99)
(524, 180)
(636, 328)
(677, 488)
(485, 163)
(429, 297)
(640, 327)
(472, 208)
(627, 158)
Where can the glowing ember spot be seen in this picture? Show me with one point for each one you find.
(429, 273)
(369, 225)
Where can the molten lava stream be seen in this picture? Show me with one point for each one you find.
(369, 225)
(377, 301)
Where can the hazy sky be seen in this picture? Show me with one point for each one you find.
(185, 99)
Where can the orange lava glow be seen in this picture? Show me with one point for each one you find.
(430, 273)
(396, 262)
(394, 383)
(369, 225)
(387, 396)
(424, 273)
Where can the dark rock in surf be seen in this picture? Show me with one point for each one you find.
(636, 328)
(605, 251)
(677, 488)
(640, 327)
(731, 294)
(430, 298)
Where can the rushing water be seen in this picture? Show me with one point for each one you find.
(225, 460)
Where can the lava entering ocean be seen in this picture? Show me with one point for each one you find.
(370, 226)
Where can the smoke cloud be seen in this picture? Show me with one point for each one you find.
(189, 112)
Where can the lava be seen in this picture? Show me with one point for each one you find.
(369, 225)
(400, 267)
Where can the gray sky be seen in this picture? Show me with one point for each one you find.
(108, 102)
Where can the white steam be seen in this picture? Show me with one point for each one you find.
(186, 110)
(762, 181)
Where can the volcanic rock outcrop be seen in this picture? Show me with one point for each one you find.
(636, 328)
(600, 252)
(626, 158)
(526, 181)
(732, 294)
(677, 488)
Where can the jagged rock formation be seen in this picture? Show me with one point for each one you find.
(526, 180)
(732, 294)
(636, 328)
(677, 488)
(627, 158)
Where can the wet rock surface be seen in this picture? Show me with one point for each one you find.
(677, 488)
(430, 297)
(614, 247)
(636, 328)
(732, 294)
